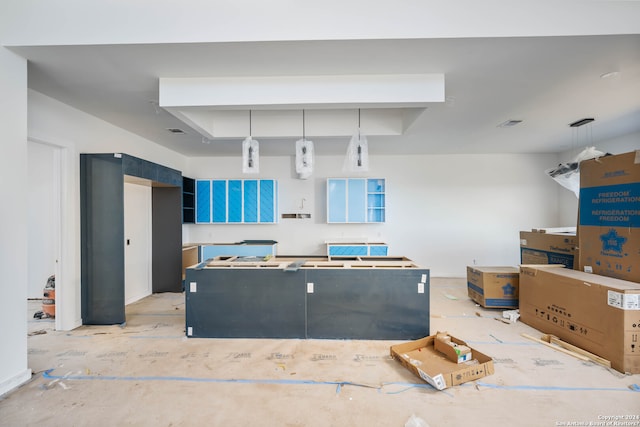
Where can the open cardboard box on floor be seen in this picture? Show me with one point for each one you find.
(421, 358)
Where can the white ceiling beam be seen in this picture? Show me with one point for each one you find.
(282, 92)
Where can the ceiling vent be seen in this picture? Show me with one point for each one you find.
(176, 130)
(509, 123)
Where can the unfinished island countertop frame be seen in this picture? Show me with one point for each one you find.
(384, 298)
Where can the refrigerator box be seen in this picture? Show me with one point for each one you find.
(493, 287)
(542, 247)
(422, 359)
(596, 313)
(609, 216)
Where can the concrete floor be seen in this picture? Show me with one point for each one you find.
(148, 373)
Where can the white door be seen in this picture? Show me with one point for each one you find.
(137, 244)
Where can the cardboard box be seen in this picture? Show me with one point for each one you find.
(541, 247)
(609, 216)
(452, 350)
(493, 287)
(596, 313)
(423, 360)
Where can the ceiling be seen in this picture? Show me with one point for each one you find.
(547, 82)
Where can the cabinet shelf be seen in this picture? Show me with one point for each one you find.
(188, 200)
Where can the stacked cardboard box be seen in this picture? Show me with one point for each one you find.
(596, 313)
(493, 287)
(598, 307)
(542, 247)
(609, 216)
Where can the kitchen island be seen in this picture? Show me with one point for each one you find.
(384, 298)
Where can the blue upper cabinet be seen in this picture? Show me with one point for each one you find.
(234, 205)
(236, 201)
(355, 200)
(337, 200)
(219, 205)
(268, 204)
(203, 201)
(250, 197)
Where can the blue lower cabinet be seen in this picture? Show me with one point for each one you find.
(244, 250)
(378, 250)
(348, 250)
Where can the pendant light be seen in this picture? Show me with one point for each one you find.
(357, 158)
(304, 154)
(250, 153)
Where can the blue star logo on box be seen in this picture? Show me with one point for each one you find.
(508, 289)
(612, 242)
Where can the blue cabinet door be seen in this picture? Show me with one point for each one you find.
(219, 205)
(357, 201)
(250, 197)
(348, 250)
(248, 201)
(203, 201)
(378, 250)
(337, 200)
(268, 210)
(234, 206)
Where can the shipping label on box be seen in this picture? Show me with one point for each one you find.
(609, 225)
(493, 287)
(596, 313)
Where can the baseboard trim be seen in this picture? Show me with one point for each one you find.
(15, 381)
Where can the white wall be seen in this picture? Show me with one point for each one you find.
(443, 211)
(76, 132)
(13, 221)
(42, 215)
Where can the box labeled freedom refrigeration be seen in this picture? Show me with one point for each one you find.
(609, 216)
(596, 313)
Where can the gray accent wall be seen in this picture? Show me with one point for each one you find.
(102, 232)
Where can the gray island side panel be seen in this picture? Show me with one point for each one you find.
(368, 304)
(245, 303)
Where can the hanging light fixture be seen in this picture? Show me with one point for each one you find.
(357, 159)
(250, 153)
(304, 154)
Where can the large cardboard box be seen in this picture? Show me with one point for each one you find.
(493, 287)
(609, 216)
(423, 360)
(541, 247)
(596, 313)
